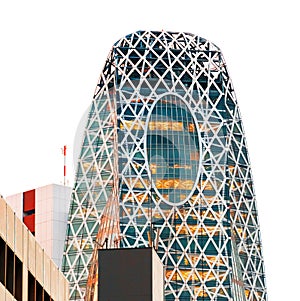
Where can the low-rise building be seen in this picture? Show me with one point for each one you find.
(27, 273)
(44, 210)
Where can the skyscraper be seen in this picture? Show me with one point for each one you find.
(164, 163)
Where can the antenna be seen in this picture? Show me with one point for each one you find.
(64, 150)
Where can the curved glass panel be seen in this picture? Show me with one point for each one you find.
(173, 149)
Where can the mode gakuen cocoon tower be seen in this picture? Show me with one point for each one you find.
(164, 163)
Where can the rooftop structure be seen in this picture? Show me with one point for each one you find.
(130, 275)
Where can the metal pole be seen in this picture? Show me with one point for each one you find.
(65, 164)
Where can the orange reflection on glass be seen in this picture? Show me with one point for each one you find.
(140, 184)
(131, 124)
(209, 127)
(194, 156)
(153, 168)
(166, 126)
(231, 168)
(193, 275)
(191, 127)
(208, 230)
(174, 184)
(176, 166)
(186, 229)
(140, 197)
(235, 185)
(199, 291)
(215, 260)
(206, 185)
(136, 100)
(247, 293)
(241, 232)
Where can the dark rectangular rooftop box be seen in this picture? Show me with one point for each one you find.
(130, 275)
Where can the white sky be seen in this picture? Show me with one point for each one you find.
(52, 52)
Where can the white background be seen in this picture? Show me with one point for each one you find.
(52, 52)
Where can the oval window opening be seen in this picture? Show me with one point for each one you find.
(173, 150)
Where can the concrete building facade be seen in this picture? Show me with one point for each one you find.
(44, 210)
(27, 273)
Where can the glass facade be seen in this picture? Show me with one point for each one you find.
(164, 163)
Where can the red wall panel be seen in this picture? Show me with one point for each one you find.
(29, 221)
(29, 200)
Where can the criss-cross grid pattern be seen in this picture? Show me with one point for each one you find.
(184, 177)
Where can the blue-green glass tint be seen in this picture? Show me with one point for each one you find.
(173, 149)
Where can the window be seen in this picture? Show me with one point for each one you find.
(11, 270)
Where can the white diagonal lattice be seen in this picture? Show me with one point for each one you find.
(184, 177)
